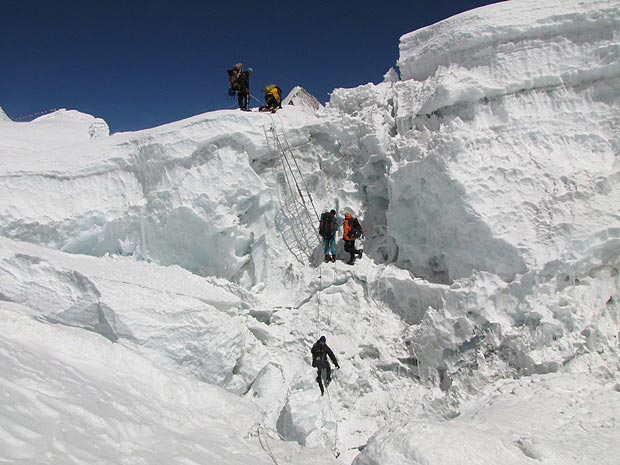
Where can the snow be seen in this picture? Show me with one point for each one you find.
(3, 116)
(71, 396)
(62, 128)
(151, 310)
(512, 424)
(301, 98)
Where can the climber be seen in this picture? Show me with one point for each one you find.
(243, 93)
(328, 227)
(351, 230)
(233, 77)
(320, 350)
(273, 98)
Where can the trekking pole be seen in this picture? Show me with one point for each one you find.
(255, 99)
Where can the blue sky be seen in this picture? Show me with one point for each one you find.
(139, 64)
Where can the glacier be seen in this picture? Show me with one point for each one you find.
(152, 312)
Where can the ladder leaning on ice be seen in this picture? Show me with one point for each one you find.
(297, 218)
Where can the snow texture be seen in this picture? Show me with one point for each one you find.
(3, 115)
(301, 98)
(151, 310)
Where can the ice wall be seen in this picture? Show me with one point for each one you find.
(500, 142)
(199, 193)
(495, 159)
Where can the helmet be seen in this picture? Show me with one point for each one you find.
(250, 70)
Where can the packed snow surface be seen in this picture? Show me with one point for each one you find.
(152, 310)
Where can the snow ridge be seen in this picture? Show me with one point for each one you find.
(3, 116)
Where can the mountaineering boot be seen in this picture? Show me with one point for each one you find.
(334, 258)
(351, 262)
(328, 258)
(359, 253)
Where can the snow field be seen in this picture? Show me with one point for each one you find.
(73, 397)
(554, 419)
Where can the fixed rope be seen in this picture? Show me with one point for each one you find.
(297, 225)
(318, 303)
(265, 446)
(287, 151)
(290, 150)
(39, 113)
(333, 417)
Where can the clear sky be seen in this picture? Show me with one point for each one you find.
(139, 64)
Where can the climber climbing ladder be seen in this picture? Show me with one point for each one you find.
(295, 220)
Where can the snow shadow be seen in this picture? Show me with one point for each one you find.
(61, 296)
(437, 235)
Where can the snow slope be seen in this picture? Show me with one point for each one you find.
(512, 426)
(301, 98)
(486, 179)
(71, 396)
(3, 115)
(59, 129)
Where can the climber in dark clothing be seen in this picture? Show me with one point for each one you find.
(243, 93)
(320, 352)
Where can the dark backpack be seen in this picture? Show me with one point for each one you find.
(318, 354)
(355, 228)
(233, 77)
(326, 227)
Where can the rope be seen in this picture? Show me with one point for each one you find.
(297, 166)
(298, 210)
(289, 150)
(318, 305)
(329, 404)
(39, 113)
(331, 311)
(267, 449)
(288, 163)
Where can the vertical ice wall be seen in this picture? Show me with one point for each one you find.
(500, 143)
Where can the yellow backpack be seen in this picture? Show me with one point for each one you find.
(268, 88)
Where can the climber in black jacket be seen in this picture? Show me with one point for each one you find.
(320, 352)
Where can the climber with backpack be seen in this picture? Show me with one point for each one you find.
(273, 98)
(328, 227)
(320, 351)
(243, 92)
(233, 78)
(351, 230)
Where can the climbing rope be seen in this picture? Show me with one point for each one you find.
(265, 446)
(331, 308)
(294, 195)
(39, 113)
(333, 417)
(318, 303)
(297, 166)
(297, 206)
(286, 161)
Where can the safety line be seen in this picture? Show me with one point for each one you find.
(334, 420)
(298, 169)
(266, 449)
(39, 113)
